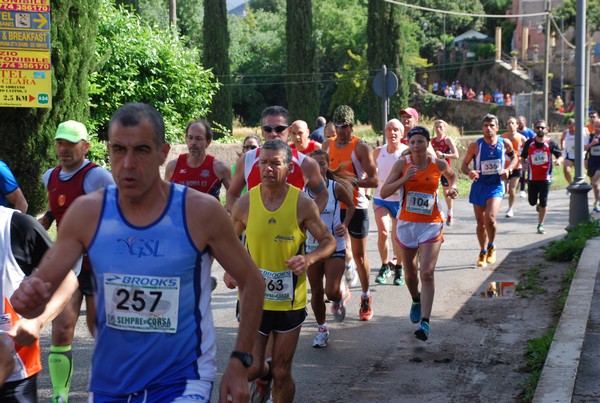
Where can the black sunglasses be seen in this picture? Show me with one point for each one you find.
(277, 129)
(540, 127)
(342, 126)
(250, 147)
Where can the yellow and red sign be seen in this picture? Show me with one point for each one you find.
(25, 68)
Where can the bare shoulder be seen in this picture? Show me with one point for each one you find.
(325, 145)
(201, 205)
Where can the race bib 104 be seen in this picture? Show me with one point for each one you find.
(420, 203)
(141, 303)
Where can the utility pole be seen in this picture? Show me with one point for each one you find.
(547, 62)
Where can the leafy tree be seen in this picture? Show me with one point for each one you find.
(302, 91)
(270, 6)
(340, 28)
(433, 27)
(569, 12)
(141, 64)
(26, 134)
(216, 57)
(499, 7)
(258, 63)
(389, 36)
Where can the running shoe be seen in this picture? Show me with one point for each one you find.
(338, 309)
(509, 213)
(350, 274)
(540, 229)
(398, 275)
(365, 312)
(422, 333)
(596, 207)
(523, 194)
(260, 389)
(415, 312)
(481, 260)
(450, 220)
(384, 273)
(491, 256)
(321, 338)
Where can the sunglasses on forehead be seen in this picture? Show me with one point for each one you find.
(250, 147)
(277, 129)
(342, 126)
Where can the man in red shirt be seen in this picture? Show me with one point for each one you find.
(305, 170)
(197, 169)
(537, 152)
(300, 140)
(74, 177)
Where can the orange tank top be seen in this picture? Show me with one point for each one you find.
(516, 144)
(419, 200)
(347, 156)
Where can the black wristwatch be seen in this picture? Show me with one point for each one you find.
(245, 358)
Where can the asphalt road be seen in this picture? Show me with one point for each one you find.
(358, 353)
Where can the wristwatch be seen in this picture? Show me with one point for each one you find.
(245, 358)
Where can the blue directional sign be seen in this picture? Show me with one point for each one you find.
(25, 20)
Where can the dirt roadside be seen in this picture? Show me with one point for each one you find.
(478, 353)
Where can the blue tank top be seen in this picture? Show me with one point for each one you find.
(490, 161)
(154, 326)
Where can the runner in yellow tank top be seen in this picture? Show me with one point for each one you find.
(420, 223)
(275, 217)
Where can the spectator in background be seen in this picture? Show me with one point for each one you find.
(319, 133)
(488, 98)
(507, 99)
(10, 191)
(471, 94)
(458, 94)
(559, 104)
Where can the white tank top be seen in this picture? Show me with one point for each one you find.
(385, 161)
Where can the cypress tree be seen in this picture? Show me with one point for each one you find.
(216, 56)
(302, 89)
(387, 36)
(26, 134)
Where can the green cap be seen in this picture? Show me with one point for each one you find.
(343, 115)
(72, 131)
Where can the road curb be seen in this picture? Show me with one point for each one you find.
(557, 381)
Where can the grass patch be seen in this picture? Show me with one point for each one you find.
(537, 350)
(530, 281)
(568, 248)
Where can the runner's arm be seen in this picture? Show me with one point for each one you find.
(314, 182)
(17, 199)
(32, 296)
(469, 155)
(365, 156)
(394, 180)
(236, 186)
(170, 169)
(228, 251)
(26, 331)
(223, 172)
